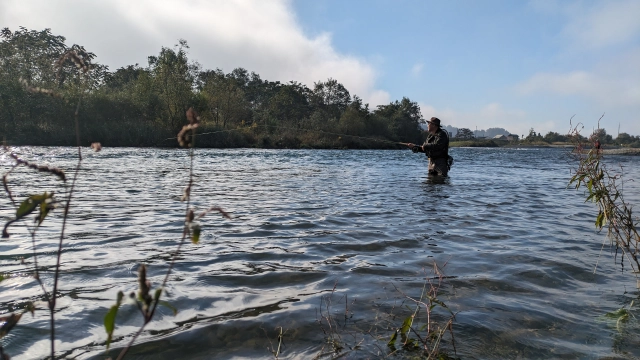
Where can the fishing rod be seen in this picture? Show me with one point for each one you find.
(303, 129)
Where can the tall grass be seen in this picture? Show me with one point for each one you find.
(604, 186)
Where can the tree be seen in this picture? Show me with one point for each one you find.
(174, 79)
(224, 97)
(555, 137)
(402, 119)
(624, 138)
(290, 105)
(31, 55)
(354, 119)
(464, 134)
(533, 137)
(601, 135)
(331, 97)
(36, 62)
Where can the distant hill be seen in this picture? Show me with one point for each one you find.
(489, 133)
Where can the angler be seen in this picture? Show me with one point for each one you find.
(436, 147)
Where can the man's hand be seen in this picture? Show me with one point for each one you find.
(415, 148)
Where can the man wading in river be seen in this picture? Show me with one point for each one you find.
(436, 148)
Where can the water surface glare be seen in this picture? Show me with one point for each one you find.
(519, 247)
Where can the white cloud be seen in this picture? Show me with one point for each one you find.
(594, 25)
(602, 38)
(604, 24)
(566, 84)
(261, 36)
(417, 69)
(610, 84)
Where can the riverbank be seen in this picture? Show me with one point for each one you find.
(493, 143)
(621, 151)
(474, 143)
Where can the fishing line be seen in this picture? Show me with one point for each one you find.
(299, 129)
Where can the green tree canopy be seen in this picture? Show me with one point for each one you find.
(464, 134)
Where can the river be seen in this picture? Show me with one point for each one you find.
(316, 227)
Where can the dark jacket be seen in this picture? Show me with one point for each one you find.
(437, 145)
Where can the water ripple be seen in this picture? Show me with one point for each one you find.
(519, 246)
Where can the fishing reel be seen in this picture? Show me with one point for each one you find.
(415, 149)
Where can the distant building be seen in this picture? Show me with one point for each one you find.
(499, 137)
(512, 137)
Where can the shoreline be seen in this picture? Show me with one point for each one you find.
(614, 151)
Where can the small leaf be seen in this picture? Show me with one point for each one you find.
(27, 207)
(411, 343)
(110, 323)
(622, 312)
(3, 277)
(169, 306)
(404, 330)
(30, 204)
(600, 220)
(157, 294)
(195, 233)
(44, 211)
(392, 341)
(623, 319)
(435, 300)
(110, 318)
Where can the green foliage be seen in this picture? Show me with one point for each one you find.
(145, 105)
(601, 186)
(354, 119)
(601, 135)
(552, 137)
(195, 233)
(533, 137)
(43, 202)
(30, 204)
(402, 119)
(464, 134)
(423, 329)
(110, 318)
(625, 139)
(620, 316)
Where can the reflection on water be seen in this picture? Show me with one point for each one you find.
(435, 179)
(519, 246)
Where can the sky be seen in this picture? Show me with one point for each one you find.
(476, 64)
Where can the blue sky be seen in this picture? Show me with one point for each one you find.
(490, 60)
(510, 64)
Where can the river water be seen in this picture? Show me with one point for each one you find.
(316, 233)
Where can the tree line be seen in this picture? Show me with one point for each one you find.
(146, 105)
(623, 139)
